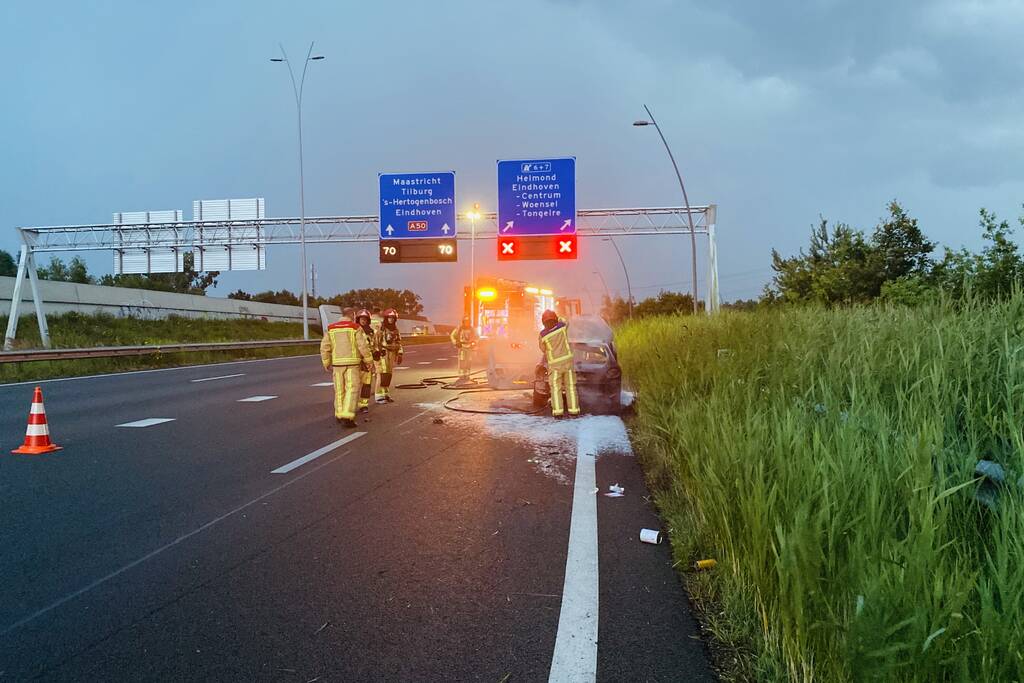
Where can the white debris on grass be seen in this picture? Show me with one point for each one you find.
(553, 443)
(626, 398)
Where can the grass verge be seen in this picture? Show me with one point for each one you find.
(74, 330)
(825, 459)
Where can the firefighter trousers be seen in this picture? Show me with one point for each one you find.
(385, 370)
(366, 388)
(465, 355)
(560, 379)
(346, 391)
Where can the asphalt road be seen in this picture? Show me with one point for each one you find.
(431, 545)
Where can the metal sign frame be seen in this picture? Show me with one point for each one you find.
(670, 220)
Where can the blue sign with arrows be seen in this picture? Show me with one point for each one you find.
(414, 205)
(537, 197)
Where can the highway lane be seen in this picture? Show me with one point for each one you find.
(419, 551)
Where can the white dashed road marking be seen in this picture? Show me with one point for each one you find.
(322, 384)
(255, 399)
(210, 379)
(285, 469)
(402, 367)
(424, 362)
(148, 422)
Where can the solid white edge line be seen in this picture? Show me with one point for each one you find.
(114, 574)
(285, 469)
(420, 414)
(575, 655)
(256, 399)
(211, 379)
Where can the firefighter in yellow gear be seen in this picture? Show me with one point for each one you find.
(464, 339)
(554, 343)
(389, 344)
(376, 319)
(344, 353)
(366, 376)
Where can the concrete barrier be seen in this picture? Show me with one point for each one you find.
(124, 302)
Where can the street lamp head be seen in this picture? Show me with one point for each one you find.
(276, 59)
(317, 57)
(641, 123)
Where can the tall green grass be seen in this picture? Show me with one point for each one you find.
(826, 461)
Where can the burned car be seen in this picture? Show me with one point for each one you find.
(598, 375)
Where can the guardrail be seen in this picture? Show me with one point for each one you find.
(29, 356)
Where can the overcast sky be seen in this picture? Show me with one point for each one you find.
(777, 112)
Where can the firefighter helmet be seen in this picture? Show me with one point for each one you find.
(362, 313)
(549, 316)
(390, 313)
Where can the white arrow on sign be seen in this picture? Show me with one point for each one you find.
(508, 226)
(566, 224)
(389, 230)
(445, 228)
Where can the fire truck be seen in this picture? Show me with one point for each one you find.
(506, 315)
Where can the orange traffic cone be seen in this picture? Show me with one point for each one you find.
(37, 436)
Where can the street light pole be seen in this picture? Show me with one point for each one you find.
(297, 90)
(686, 200)
(473, 215)
(629, 288)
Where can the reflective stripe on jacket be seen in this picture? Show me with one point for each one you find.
(555, 344)
(343, 344)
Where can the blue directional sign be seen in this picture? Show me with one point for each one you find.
(537, 197)
(417, 205)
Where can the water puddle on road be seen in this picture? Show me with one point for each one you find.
(551, 444)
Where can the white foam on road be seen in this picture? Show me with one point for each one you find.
(285, 469)
(552, 443)
(211, 379)
(148, 422)
(256, 399)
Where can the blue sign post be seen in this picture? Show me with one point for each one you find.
(417, 205)
(537, 197)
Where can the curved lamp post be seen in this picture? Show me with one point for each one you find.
(297, 89)
(686, 200)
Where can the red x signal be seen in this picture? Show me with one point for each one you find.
(537, 247)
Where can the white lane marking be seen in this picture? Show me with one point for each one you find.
(440, 359)
(144, 372)
(180, 367)
(285, 469)
(402, 367)
(322, 384)
(424, 362)
(255, 399)
(148, 422)
(135, 563)
(575, 657)
(420, 414)
(210, 379)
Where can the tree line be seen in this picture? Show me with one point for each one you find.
(896, 263)
(405, 301)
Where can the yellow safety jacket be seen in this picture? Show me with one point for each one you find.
(554, 343)
(389, 339)
(344, 344)
(376, 322)
(463, 337)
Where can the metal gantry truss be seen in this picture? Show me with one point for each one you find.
(196, 235)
